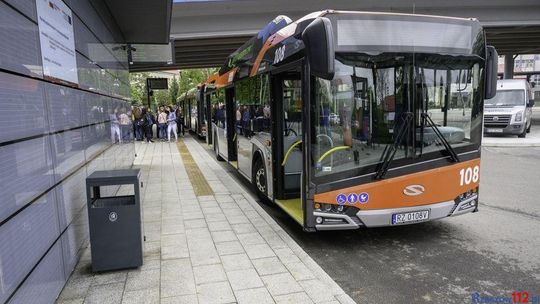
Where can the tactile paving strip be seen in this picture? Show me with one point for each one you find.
(199, 183)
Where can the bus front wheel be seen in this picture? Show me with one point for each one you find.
(259, 177)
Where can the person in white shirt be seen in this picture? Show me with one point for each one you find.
(171, 124)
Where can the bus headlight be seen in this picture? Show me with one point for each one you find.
(519, 116)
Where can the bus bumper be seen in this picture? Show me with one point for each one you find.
(383, 217)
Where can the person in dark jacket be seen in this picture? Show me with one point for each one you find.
(147, 122)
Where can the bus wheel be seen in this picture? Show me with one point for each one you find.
(259, 178)
(219, 158)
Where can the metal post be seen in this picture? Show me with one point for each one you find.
(508, 66)
(148, 93)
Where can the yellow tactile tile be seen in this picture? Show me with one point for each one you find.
(199, 183)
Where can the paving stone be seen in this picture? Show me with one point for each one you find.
(317, 291)
(299, 271)
(236, 262)
(109, 277)
(76, 288)
(293, 298)
(286, 255)
(206, 198)
(188, 299)
(268, 266)
(244, 279)
(144, 296)
(224, 198)
(243, 228)
(259, 251)
(215, 293)
(150, 262)
(224, 236)
(282, 283)
(172, 273)
(209, 273)
(152, 247)
(174, 246)
(196, 223)
(251, 238)
(219, 226)
(142, 279)
(105, 294)
(256, 295)
(233, 247)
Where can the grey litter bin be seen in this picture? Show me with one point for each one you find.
(114, 221)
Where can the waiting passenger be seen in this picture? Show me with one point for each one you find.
(171, 124)
(162, 123)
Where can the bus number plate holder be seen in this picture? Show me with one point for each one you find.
(410, 217)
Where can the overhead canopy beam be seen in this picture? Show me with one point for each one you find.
(142, 21)
(206, 32)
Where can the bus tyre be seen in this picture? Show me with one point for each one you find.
(219, 158)
(259, 178)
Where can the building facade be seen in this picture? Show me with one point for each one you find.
(52, 136)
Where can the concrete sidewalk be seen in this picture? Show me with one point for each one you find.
(207, 241)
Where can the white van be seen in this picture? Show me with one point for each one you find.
(509, 112)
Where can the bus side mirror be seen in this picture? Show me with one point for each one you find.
(318, 39)
(491, 72)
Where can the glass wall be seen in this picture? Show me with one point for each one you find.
(52, 137)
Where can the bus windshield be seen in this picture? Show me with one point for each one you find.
(373, 98)
(508, 98)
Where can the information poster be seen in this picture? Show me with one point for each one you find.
(57, 40)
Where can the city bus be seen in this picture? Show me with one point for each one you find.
(356, 119)
(194, 119)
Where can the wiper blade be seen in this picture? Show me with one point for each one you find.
(390, 151)
(448, 147)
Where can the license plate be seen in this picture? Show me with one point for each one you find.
(494, 130)
(410, 217)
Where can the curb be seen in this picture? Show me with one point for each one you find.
(511, 145)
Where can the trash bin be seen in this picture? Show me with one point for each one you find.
(114, 221)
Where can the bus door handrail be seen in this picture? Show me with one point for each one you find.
(289, 152)
(331, 146)
(332, 151)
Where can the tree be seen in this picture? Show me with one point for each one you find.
(137, 83)
(191, 78)
(161, 98)
(173, 90)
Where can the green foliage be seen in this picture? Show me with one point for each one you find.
(253, 90)
(187, 80)
(137, 83)
(191, 78)
(173, 90)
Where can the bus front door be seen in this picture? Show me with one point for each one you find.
(287, 90)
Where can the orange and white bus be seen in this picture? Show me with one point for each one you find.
(356, 119)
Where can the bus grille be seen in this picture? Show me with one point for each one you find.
(496, 121)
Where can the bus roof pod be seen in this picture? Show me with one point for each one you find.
(249, 50)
